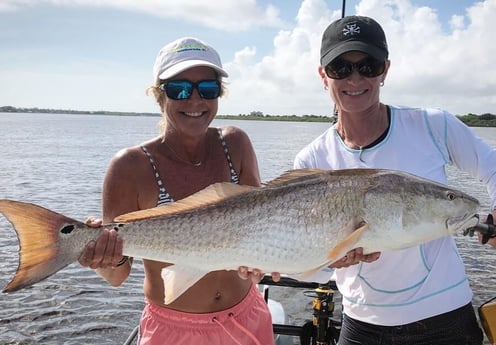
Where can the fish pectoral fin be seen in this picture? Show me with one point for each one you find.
(347, 244)
(178, 279)
(210, 195)
(340, 250)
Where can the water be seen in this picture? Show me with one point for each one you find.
(58, 161)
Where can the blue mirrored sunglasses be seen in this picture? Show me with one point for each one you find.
(368, 67)
(182, 89)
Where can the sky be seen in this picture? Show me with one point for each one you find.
(98, 54)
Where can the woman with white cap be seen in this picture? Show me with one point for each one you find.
(223, 307)
(419, 295)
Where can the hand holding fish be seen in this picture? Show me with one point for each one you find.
(105, 251)
(256, 275)
(491, 241)
(353, 257)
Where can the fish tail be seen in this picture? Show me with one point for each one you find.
(41, 252)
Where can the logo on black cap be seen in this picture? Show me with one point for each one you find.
(351, 29)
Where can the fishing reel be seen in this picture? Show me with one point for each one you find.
(487, 229)
(487, 311)
(322, 330)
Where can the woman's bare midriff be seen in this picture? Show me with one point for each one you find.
(216, 291)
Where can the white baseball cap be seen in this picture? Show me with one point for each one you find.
(185, 53)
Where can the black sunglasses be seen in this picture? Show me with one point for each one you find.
(182, 89)
(368, 67)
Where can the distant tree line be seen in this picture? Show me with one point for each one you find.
(473, 120)
(484, 120)
(260, 116)
(10, 109)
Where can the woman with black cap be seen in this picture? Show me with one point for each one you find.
(419, 295)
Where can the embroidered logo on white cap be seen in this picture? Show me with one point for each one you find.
(185, 53)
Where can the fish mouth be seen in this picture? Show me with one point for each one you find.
(463, 222)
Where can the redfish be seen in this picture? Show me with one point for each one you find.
(298, 223)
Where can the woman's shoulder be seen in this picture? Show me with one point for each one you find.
(242, 153)
(133, 154)
(403, 110)
(231, 131)
(234, 135)
(433, 118)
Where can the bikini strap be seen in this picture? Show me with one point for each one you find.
(163, 196)
(234, 175)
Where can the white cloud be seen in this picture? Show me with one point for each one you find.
(286, 81)
(457, 22)
(450, 68)
(433, 66)
(239, 15)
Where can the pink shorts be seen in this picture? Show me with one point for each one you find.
(248, 322)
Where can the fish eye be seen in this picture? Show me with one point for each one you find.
(450, 196)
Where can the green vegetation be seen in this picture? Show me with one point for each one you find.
(9, 109)
(484, 120)
(473, 120)
(259, 116)
(254, 115)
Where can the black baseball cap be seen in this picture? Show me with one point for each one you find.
(353, 33)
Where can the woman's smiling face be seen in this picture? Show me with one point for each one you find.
(191, 116)
(354, 93)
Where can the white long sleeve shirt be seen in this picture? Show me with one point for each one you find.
(408, 285)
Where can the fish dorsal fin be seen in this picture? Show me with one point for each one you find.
(210, 195)
(293, 176)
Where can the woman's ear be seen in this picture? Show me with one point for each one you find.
(321, 71)
(384, 75)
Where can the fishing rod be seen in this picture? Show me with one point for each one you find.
(335, 111)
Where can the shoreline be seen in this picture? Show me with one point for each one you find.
(471, 120)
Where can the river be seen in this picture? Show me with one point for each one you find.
(58, 161)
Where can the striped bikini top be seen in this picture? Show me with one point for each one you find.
(164, 196)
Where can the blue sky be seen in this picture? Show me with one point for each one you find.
(98, 54)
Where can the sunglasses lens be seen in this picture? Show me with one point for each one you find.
(182, 89)
(339, 69)
(178, 89)
(209, 89)
(369, 68)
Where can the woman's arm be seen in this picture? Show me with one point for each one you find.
(119, 196)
